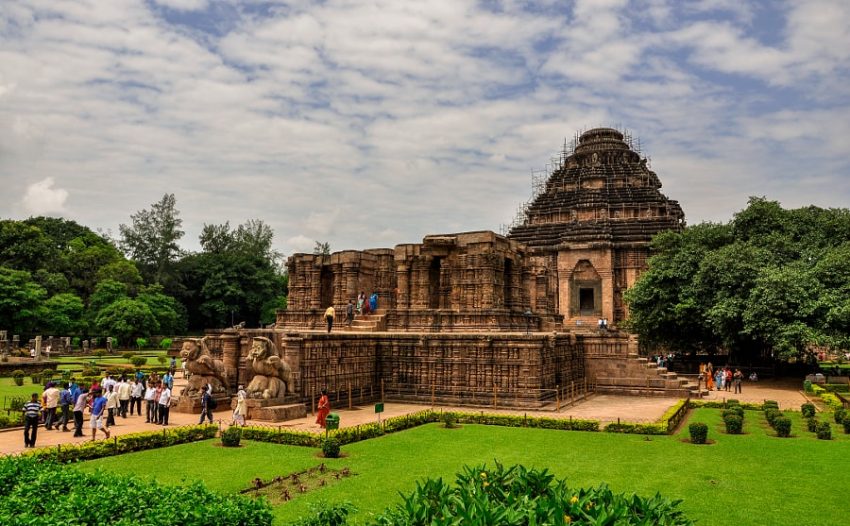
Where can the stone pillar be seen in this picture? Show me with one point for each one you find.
(38, 348)
(16, 341)
(109, 344)
(230, 357)
(403, 283)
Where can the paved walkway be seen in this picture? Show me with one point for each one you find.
(606, 408)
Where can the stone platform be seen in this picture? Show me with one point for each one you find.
(192, 404)
(274, 409)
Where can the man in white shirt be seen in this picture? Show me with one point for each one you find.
(164, 404)
(136, 397)
(111, 406)
(150, 403)
(51, 402)
(123, 390)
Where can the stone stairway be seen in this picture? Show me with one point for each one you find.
(643, 377)
(375, 322)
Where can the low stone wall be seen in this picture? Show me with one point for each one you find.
(436, 320)
(27, 365)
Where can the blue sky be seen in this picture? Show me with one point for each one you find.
(372, 123)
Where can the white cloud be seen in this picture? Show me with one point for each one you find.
(183, 5)
(41, 198)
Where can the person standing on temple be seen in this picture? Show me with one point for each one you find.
(324, 408)
(373, 302)
(361, 299)
(31, 411)
(349, 313)
(329, 317)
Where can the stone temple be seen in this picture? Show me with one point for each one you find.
(476, 318)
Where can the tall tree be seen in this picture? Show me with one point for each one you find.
(151, 239)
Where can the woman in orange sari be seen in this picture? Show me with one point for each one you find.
(323, 409)
(709, 377)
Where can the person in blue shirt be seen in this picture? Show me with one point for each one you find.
(206, 405)
(168, 380)
(97, 419)
(66, 400)
(75, 390)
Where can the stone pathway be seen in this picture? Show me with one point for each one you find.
(606, 408)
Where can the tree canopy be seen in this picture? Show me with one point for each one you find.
(771, 282)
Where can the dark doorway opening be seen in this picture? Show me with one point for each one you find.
(327, 283)
(434, 283)
(586, 304)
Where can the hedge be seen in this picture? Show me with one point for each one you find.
(123, 444)
(714, 404)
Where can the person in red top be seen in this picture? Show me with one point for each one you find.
(324, 408)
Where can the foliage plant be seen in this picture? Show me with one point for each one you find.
(824, 431)
(35, 378)
(141, 343)
(807, 386)
(165, 344)
(518, 495)
(846, 424)
(812, 424)
(161, 359)
(734, 424)
(128, 355)
(782, 425)
(807, 410)
(839, 415)
(771, 414)
(18, 377)
(84, 498)
(231, 437)
(330, 448)
(138, 361)
(698, 432)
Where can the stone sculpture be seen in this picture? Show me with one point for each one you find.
(203, 368)
(272, 375)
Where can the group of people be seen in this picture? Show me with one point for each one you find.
(722, 378)
(363, 306)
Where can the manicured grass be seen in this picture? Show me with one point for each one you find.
(752, 478)
(9, 390)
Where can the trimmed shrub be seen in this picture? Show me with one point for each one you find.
(138, 361)
(165, 344)
(324, 514)
(450, 420)
(128, 355)
(100, 353)
(141, 343)
(782, 425)
(771, 414)
(831, 400)
(846, 424)
(734, 424)
(18, 377)
(735, 410)
(699, 432)
(518, 495)
(161, 359)
(824, 431)
(839, 415)
(231, 436)
(330, 448)
(90, 370)
(812, 424)
(732, 402)
(35, 378)
(808, 410)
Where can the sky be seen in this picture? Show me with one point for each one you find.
(366, 123)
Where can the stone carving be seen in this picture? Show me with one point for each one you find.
(109, 344)
(85, 346)
(203, 368)
(272, 375)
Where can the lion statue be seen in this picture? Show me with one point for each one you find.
(203, 368)
(272, 375)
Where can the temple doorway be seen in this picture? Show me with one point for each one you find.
(327, 287)
(586, 303)
(585, 290)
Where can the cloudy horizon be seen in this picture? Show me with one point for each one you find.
(372, 123)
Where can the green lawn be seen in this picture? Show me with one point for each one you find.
(745, 479)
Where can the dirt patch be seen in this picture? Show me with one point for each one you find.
(284, 488)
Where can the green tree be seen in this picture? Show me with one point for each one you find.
(151, 239)
(62, 314)
(128, 319)
(21, 300)
(122, 271)
(168, 312)
(24, 247)
(106, 293)
(322, 248)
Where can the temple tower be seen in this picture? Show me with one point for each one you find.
(593, 224)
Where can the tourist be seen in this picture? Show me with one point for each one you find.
(32, 353)
(31, 411)
(51, 402)
(97, 408)
(124, 390)
(150, 403)
(329, 317)
(112, 405)
(373, 302)
(140, 377)
(361, 298)
(164, 405)
(168, 380)
(737, 377)
(136, 394)
(349, 313)
(323, 409)
(206, 405)
(75, 389)
(80, 404)
(754, 377)
(718, 379)
(365, 307)
(727, 381)
(172, 368)
(185, 369)
(709, 377)
(66, 399)
(240, 412)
